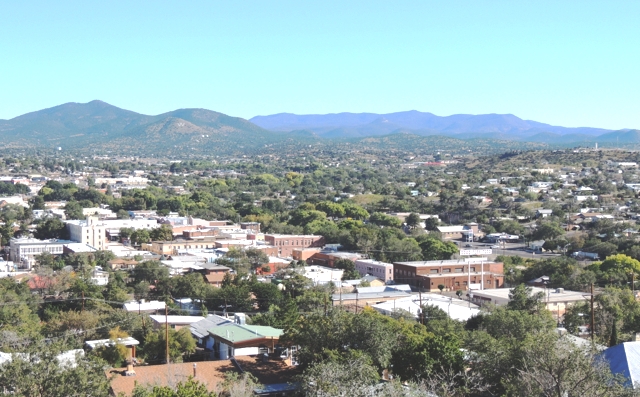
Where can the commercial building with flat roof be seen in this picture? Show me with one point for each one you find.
(457, 274)
(381, 270)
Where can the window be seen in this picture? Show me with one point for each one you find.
(446, 270)
(433, 271)
(458, 270)
(473, 269)
(457, 283)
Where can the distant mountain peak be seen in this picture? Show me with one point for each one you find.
(421, 123)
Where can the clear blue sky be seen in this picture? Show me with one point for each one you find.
(571, 63)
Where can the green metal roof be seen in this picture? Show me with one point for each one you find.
(241, 333)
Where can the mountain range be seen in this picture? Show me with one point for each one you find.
(101, 126)
(502, 126)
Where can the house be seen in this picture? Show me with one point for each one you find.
(624, 360)
(541, 281)
(235, 339)
(543, 213)
(454, 275)
(174, 322)
(213, 273)
(143, 306)
(99, 276)
(200, 330)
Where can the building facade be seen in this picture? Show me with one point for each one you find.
(463, 274)
(286, 243)
(91, 231)
(23, 251)
(381, 270)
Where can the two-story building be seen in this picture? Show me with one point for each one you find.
(286, 243)
(381, 270)
(457, 274)
(23, 251)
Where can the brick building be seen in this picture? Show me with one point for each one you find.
(462, 274)
(286, 243)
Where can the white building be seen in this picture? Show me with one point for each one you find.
(144, 306)
(381, 270)
(91, 231)
(321, 275)
(23, 251)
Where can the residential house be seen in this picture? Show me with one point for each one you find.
(142, 306)
(213, 273)
(543, 213)
(159, 321)
(623, 360)
(200, 330)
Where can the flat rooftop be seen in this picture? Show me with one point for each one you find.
(550, 295)
(465, 261)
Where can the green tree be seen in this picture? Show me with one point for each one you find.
(435, 249)
(522, 298)
(48, 378)
(412, 220)
(51, 228)
(162, 233)
(349, 267)
(73, 210)
(181, 344)
(548, 231)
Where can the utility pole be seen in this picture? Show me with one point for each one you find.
(166, 330)
(325, 305)
(593, 318)
(356, 301)
(421, 313)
